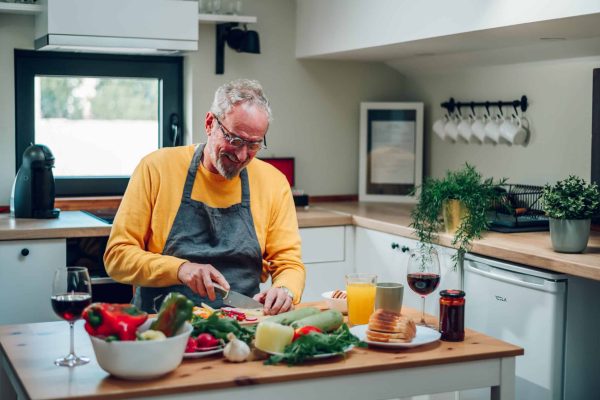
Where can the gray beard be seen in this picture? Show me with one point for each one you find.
(230, 173)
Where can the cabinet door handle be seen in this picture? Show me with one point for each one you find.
(405, 249)
(25, 252)
(395, 246)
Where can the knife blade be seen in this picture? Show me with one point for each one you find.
(235, 299)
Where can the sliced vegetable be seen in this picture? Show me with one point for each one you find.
(287, 318)
(174, 311)
(113, 321)
(326, 321)
(304, 331)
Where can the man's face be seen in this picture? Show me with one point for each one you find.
(246, 122)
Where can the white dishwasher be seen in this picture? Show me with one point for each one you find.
(528, 307)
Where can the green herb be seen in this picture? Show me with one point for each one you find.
(571, 198)
(467, 186)
(220, 327)
(313, 343)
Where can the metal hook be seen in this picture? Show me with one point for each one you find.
(500, 108)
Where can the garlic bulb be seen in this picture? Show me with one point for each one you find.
(236, 350)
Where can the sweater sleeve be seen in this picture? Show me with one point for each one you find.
(283, 247)
(127, 259)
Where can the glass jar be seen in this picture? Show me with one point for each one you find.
(452, 315)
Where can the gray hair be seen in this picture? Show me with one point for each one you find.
(236, 92)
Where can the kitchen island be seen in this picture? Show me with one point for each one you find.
(28, 350)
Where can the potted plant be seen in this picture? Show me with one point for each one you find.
(570, 204)
(462, 198)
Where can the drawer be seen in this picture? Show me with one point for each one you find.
(322, 244)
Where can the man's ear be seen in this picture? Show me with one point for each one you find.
(208, 123)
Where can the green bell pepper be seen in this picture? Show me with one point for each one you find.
(175, 309)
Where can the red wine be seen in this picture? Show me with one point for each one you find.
(423, 283)
(69, 306)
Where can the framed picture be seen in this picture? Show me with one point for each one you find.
(391, 151)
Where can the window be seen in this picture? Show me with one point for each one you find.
(99, 114)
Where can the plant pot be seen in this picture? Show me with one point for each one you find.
(569, 235)
(453, 212)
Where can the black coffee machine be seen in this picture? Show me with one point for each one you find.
(33, 189)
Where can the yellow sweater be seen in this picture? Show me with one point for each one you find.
(147, 211)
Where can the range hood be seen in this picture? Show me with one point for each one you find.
(118, 26)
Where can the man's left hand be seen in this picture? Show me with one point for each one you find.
(275, 301)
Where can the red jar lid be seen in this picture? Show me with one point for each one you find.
(453, 293)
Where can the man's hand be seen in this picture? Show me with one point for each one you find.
(275, 301)
(200, 278)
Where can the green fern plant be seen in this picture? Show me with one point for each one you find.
(466, 185)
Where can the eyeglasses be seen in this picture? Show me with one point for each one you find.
(238, 142)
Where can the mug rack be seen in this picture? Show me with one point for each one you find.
(452, 104)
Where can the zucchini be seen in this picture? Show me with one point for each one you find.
(287, 318)
(326, 321)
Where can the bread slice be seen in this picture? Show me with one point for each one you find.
(387, 326)
(384, 337)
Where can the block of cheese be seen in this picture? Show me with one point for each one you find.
(272, 337)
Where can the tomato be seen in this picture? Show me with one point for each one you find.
(304, 330)
(206, 340)
(191, 345)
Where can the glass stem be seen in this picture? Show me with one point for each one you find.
(72, 340)
(423, 310)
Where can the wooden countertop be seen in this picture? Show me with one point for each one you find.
(31, 348)
(532, 248)
(68, 224)
(529, 248)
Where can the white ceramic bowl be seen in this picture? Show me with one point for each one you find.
(335, 304)
(142, 359)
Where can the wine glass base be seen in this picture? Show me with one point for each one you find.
(71, 361)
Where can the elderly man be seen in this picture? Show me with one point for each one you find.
(197, 215)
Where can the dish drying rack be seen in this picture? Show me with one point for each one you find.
(519, 210)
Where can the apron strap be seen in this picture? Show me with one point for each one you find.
(191, 174)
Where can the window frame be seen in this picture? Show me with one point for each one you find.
(167, 69)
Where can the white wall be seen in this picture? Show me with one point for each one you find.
(560, 96)
(16, 31)
(315, 103)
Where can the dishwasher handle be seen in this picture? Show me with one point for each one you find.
(514, 278)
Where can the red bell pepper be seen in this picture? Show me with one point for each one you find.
(304, 330)
(113, 321)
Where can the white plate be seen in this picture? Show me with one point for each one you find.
(424, 335)
(317, 356)
(200, 354)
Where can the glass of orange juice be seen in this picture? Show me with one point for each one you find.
(360, 292)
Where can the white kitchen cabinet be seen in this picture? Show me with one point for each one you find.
(26, 272)
(327, 253)
(387, 256)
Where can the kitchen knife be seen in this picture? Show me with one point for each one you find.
(235, 299)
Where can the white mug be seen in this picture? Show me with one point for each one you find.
(464, 128)
(438, 127)
(478, 128)
(492, 129)
(515, 130)
(451, 128)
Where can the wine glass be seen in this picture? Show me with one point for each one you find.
(423, 274)
(71, 293)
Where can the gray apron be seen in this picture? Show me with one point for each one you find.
(222, 237)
